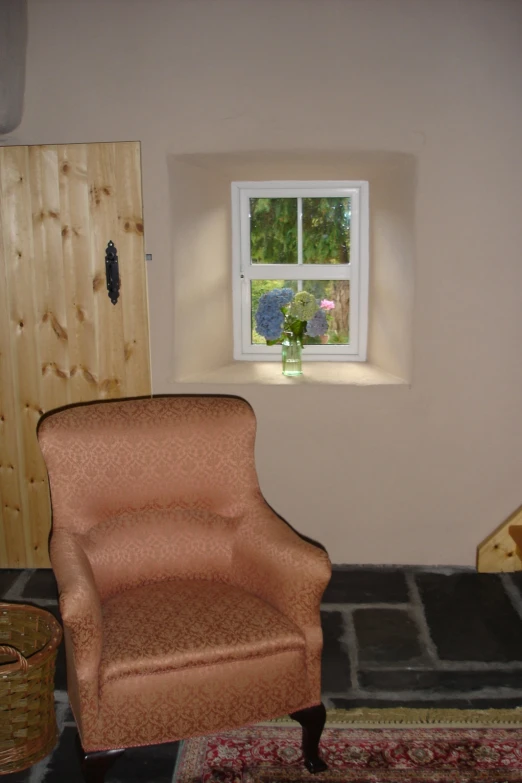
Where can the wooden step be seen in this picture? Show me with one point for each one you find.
(515, 531)
(501, 551)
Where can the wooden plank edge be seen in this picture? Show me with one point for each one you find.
(498, 552)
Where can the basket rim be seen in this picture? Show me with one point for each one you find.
(36, 658)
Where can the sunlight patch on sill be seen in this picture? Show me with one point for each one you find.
(314, 373)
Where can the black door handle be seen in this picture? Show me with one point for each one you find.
(112, 272)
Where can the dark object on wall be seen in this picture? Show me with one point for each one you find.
(112, 272)
(13, 47)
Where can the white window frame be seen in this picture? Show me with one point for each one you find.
(357, 270)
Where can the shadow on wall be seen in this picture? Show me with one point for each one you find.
(13, 49)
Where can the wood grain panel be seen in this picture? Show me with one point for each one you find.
(515, 531)
(78, 272)
(48, 275)
(498, 552)
(101, 174)
(61, 339)
(12, 530)
(134, 299)
(17, 219)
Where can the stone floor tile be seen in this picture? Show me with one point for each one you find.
(41, 584)
(137, 765)
(60, 679)
(366, 585)
(387, 636)
(470, 617)
(60, 675)
(335, 662)
(64, 764)
(16, 777)
(439, 681)
(7, 577)
(141, 765)
(517, 580)
(69, 717)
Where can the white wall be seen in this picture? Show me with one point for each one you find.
(13, 45)
(202, 280)
(379, 474)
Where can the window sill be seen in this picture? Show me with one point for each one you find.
(314, 373)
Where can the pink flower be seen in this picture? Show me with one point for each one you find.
(327, 304)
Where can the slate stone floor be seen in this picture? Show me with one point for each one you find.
(393, 636)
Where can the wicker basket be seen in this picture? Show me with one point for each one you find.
(29, 639)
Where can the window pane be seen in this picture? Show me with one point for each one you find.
(326, 230)
(335, 296)
(273, 230)
(336, 292)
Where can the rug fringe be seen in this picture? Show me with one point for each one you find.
(366, 717)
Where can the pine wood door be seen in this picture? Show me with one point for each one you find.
(61, 338)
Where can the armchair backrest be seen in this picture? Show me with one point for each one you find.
(191, 452)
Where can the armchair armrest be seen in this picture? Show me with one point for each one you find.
(272, 561)
(79, 605)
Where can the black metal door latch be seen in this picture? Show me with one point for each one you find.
(112, 272)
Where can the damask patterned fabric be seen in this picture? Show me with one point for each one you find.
(189, 606)
(179, 623)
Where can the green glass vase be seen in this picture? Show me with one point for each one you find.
(291, 354)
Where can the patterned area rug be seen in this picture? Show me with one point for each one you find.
(444, 747)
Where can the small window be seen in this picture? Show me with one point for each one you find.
(305, 236)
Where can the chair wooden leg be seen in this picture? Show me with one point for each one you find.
(312, 720)
(95, 765)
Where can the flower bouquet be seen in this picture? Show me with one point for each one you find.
(287, 319)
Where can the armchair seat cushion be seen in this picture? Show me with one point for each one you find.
(181, 623)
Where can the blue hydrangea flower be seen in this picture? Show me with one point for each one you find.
(269, 323)
(269, 317)
(281, 296)
(318, 325)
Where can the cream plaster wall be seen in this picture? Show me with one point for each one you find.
(380, 474)
(13, 44)
(202, 279)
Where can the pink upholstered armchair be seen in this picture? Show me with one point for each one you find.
(188, 605)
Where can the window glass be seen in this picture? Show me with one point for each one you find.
(333, 295)
(336, 293)
(326, 230)
(273, 230)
